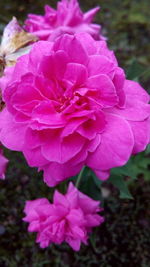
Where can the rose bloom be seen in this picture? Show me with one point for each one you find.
(68, 18)
(3, 165)
(70, 218)
(68, 105)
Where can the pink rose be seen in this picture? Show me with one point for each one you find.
(68, 18)
(70, 218)
(68, 105)
(3, 165)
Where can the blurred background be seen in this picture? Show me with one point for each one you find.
(124, 238)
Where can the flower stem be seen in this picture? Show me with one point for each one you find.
(79, 177)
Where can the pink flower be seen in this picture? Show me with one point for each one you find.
(70, 218)
(68, 105)
(68, 18)
(3, 165)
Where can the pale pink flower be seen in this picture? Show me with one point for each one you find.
(67, 18)
(68, 105)
(15, 42)
(3, 165)
(70, 218)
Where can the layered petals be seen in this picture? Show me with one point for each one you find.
(69, 105)
(116, 145)
(11, 131)
(70, 218)
(67, 18)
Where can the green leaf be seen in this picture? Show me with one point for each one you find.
(89, 186)
(147, 151)
(127, 170)
(135, 70)
(97, 181)
(121, 185)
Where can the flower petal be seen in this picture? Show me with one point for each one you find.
(61, 151)
(115, 147)
(105, 90)
(12, 134)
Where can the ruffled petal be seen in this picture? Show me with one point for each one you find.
(134, 90)
(73, 48)
(105, 93)
(116, 145)
(134, 110)
(12, 134)
(99, 64)
(61, 151)
(54, 173)
(141, 133)
(76, 73)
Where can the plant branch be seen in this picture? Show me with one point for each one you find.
(79, 177)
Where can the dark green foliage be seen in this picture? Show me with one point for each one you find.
(119, 182)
